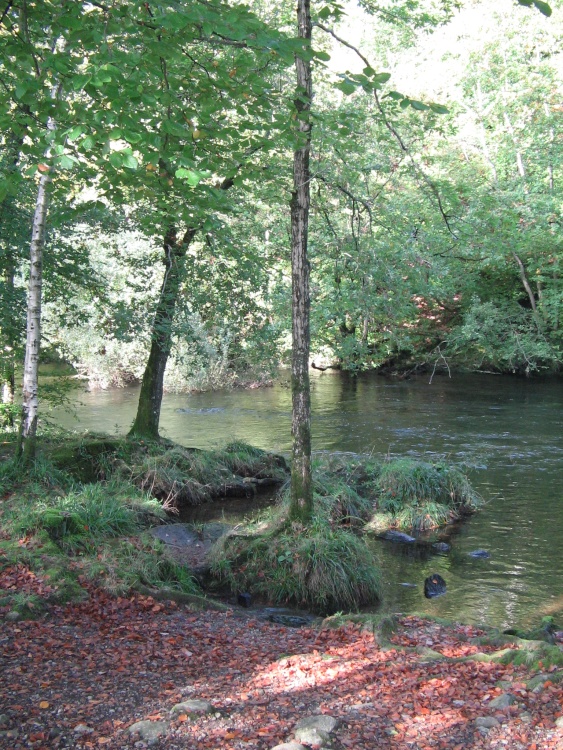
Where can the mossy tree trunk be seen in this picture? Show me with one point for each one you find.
(152, 386)
(301, 479)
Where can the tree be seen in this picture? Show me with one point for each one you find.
(301, 478)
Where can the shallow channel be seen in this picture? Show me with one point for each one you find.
(506, 432)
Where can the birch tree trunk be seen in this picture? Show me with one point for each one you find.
(301, 480)
(30, 402)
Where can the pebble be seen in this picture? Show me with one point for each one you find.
(487, 722)
(502, 701)
(192, 708)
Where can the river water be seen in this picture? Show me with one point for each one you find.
(507, 433)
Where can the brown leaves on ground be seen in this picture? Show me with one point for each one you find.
(82, 675)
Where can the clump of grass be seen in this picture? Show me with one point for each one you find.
(420, 495)
(182, 476)
(82, 517)
(317, 567)
(122, 565)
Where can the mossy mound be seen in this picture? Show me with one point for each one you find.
(182, 476)
(398, 493)
(322, 569)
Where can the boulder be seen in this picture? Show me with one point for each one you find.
(434, 586)
(480, 554)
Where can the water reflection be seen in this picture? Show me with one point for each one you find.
(506, 433)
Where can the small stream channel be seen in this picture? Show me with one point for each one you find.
(507, 433)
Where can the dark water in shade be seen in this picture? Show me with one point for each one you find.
(507, 433)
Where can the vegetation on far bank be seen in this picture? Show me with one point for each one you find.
(84, 508)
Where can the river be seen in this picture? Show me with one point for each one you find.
(507, 433)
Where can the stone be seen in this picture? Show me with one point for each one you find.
(4, 720)
(192, 708)
(291, 621)
(311, 736)
(502, 701)
(13, 615)
(150, 731)
(441, 547)
(83, 729)
(397, 536)
(488, 722)
(434, 586)
(176, 534)
(290, 746)
(321, 721)
(480, 554)
(245, 600)
(559, 722)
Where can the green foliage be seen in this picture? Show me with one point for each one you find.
(399, 493)
(323, 569)
(124, 565)
(179, 475)
(81, 518)
(503, 338)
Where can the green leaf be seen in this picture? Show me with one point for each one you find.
(116, 159)
(396, 95)
(543, 7)
(322, 55)
(88, 143)
(192, 176)
(381, 77)
(65, 162)
(439, 109)
(347, 87)
(75, 133)
(420, 106)
(130, 161)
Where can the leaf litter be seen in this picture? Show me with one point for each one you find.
(86, 671)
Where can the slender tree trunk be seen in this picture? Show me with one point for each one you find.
(529, 292)
(152, 386)
(9, 325)
(301, 479)
(30, 403)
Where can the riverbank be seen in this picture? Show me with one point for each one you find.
(86, 673)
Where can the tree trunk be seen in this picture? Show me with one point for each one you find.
(301, 480)
(529, 292)
(30, 403)
(152, 386)
(9, 325)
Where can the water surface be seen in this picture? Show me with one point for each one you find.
(506, 432)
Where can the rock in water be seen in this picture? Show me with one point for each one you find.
(441, 547)
(434, 586)
(481, 554)
(397, 536)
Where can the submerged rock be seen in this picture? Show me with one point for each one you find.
(441, 547)
(176, 534)
(434, 586)
(481, 554)
(397, 536)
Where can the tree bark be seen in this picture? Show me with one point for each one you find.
(301, 480)
(30, 404)
(152, 387)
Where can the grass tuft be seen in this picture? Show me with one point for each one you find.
(322, 569)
